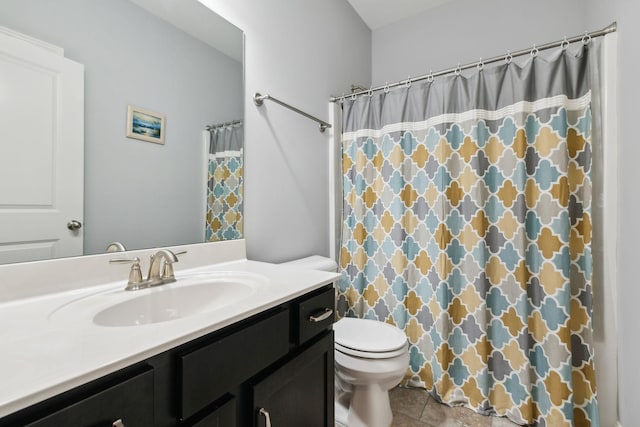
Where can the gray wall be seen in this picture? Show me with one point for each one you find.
(139, 193)
(464, 31)
(300, 52)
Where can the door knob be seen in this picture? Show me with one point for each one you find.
(74, 225)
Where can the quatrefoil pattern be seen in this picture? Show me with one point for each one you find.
(473, 236)
(224, 198)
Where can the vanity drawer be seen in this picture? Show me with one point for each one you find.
(207, 373)
(314, 315)
(130, 401)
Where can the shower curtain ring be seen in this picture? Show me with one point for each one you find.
(458, 70)
(480, 65)
(508, 58)
(386, 87)
(534, 51)
(430, 76)
(586, 39)
(354, 96)
(370, 92)
(407, 84)
(565, 43)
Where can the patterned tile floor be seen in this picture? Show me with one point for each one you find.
(415, 408)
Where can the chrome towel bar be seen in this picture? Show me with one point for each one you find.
(258, 99)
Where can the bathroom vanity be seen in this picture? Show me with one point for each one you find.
(265, 359)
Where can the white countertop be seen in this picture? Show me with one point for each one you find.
(42, 355)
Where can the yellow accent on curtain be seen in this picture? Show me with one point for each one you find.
(471, 231)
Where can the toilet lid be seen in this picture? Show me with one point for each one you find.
(368, 336)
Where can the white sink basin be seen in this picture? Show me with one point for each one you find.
(190, 295)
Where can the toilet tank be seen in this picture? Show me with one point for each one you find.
(314, 262)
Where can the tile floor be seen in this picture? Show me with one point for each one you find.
(415, 408)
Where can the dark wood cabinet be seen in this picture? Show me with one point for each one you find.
(300, 393)
(210, 371)
(129, 403)
(222, 415)
(280, 360)
(312, 315)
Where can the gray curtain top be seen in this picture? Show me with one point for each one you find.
(564, 72)
(227, 138)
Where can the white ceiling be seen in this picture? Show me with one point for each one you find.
(379, 13)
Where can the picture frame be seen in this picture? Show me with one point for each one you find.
(145, 125)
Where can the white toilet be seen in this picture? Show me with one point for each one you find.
(371, 357)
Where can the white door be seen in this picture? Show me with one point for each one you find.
(41, 150)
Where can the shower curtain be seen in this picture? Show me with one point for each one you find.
(224, 183)
(467, 223)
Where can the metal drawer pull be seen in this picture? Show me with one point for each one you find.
(267, 418)
(319, 318)
(118, 423)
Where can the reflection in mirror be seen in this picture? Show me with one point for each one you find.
(173, 57)
(224, 181)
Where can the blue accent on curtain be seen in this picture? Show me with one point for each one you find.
(225, 184)
(467, 223)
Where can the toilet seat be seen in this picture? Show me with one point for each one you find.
(369, 339)
(370, 355)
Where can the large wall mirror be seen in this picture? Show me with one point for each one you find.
(174, 60)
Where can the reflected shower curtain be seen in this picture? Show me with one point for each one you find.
(224, 184)
(467, 223)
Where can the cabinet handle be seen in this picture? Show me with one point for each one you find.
(118, 423)
(267, 418)
(320, 317)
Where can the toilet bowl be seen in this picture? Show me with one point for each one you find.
(371, 357)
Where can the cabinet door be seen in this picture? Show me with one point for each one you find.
(300, 393)
(222, 416)
(207, 373)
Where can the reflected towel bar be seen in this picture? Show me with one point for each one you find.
(259, 100)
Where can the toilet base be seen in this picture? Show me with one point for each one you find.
(342, 414)
(369, 406)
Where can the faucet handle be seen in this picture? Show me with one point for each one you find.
(124, 260)
(135, 274)
(167, 273)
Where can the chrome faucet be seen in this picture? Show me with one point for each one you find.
(116, 247)
(155, 276)
(160, 270)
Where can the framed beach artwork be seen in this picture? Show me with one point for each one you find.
(145, 125)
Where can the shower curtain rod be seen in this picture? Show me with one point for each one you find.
(585, 38)
(221, 125)
(258, 99)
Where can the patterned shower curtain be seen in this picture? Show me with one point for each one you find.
(467, 223)
(224, 184)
